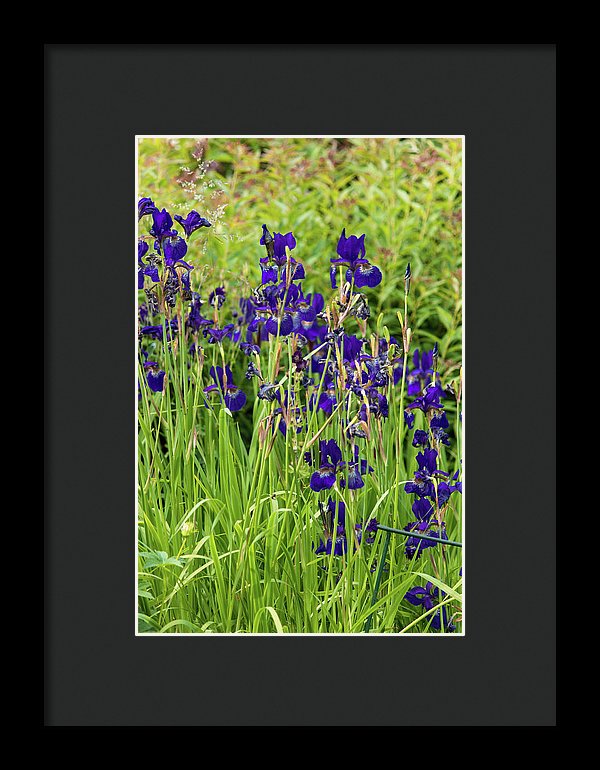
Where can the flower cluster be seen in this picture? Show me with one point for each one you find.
(319, 382)
(332, 467)
(430, 484)
(344, 376)
(167, 270)
(334, 525)
(331, 370)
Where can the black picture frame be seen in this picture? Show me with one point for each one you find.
(503, 99)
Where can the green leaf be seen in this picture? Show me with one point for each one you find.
(445, 317)
(159, 559)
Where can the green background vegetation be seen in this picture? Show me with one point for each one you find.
(404, 194)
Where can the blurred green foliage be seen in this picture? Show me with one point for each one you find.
(404, 194)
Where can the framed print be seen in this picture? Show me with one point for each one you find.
(288, 290)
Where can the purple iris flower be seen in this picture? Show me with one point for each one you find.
(195, 319)
(327, 399)
(436, 621)
(282, 326)
(274, 265)
(161, 224)
(331, 462)
(175, 249)
(350, 248)
(338, 544)
(192, 222)
(422, 372)
(418, 596)
(370, 531)
(351, 251)
(423, 509)
(268, 391)
(378, 405)
(297, 272)
(409, 419)
(150, 269)
(377, 372)
(423, 484)
(234, 397)
(429, 400)
(351, 347)
(441, 436)
(154, 376)
(305, 310)
(356, 470)
(156, 332)
(218, 335)
(316, 333)
(425, 527)
(425, 475)
(444, 490)
(270, 312)
(247, 310)
(248, 348)
(437, 424)
(458, 486)
(279, 246)
(145, 206)
(420, 438)
(439, 421)
(427, 598)
(269, 275)
(217, 297)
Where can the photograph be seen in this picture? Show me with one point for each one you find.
(298, 386)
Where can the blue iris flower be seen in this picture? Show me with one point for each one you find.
(192, 222)
(428, 597)
(351, 253)
(233, 397)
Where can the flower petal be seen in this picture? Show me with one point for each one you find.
(367, 275)
(324, 478)
(235, 398)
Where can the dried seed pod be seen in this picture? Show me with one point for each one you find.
(152, 300)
